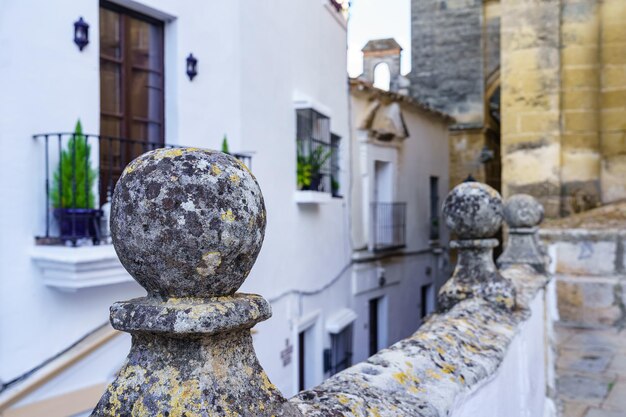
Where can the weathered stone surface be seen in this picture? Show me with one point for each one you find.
(474, 213)
(201, 376)
(523, 214)
(447, 57)
(522, 210)
(473, 210)
(424, 375)
(187, 222)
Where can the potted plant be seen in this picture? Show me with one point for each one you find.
(72, 193)
(309, 167)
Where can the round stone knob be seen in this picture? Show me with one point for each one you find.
(473, 210)
(523, 210)
(187, 222)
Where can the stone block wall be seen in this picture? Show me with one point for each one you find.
(580, 87)
(563, 100)
(530, 83)
(613, 99)
(447, 58)
(562, 75)
(590, 275)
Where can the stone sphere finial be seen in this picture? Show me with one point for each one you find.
(187, 222)
(473, 210)
(523, 210)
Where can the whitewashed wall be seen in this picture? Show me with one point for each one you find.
(254, 58)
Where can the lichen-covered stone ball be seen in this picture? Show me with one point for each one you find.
(523, 210)
(473, 210)
(187, 222)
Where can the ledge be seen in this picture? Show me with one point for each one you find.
(311, 197)
(70, 269)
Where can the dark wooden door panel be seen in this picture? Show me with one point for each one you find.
(131, 89)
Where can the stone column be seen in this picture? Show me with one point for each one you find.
(523, 214)
(188, 224)
(473, 211)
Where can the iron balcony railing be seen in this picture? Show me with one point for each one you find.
(81, 171)
(388, 226)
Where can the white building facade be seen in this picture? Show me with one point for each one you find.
(272, 78)
(399, 168)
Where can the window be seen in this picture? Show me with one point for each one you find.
(131, 88)
(341, 350)
(315, 151)
(434, 208)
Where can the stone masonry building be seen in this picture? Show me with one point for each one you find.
(538, 90)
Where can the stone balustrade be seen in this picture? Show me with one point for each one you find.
(188, 224)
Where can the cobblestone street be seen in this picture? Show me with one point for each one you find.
(591, 371)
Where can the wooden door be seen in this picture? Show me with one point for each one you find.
(131, 89)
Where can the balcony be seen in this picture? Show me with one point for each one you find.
(388, 226)
(79, 174)
(81, 171)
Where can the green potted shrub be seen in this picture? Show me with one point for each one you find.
(309, 166)
(72, 194)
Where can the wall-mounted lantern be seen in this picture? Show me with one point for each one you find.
(192, 67)
(81, 33)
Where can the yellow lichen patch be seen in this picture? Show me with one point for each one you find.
(448, 338)
(211, 261)
(440, 350)
(401, 377)
(343, 399)
(132, 166)
(448, 369)
(234, 178)
(373, 412)
(167, 153)
(215, 169)
(433, 374)
(267, 385)
(471, 348)
(228, 216)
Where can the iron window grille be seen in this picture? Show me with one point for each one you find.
(79, 220)
(388, 226)
(339, 356)
(317, 150)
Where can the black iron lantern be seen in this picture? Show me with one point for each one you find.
(81, 33)
(192, 67)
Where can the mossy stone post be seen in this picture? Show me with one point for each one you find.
(188, 224)
(523, 214)
(473, 211)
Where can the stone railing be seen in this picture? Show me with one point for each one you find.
(188, 224)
